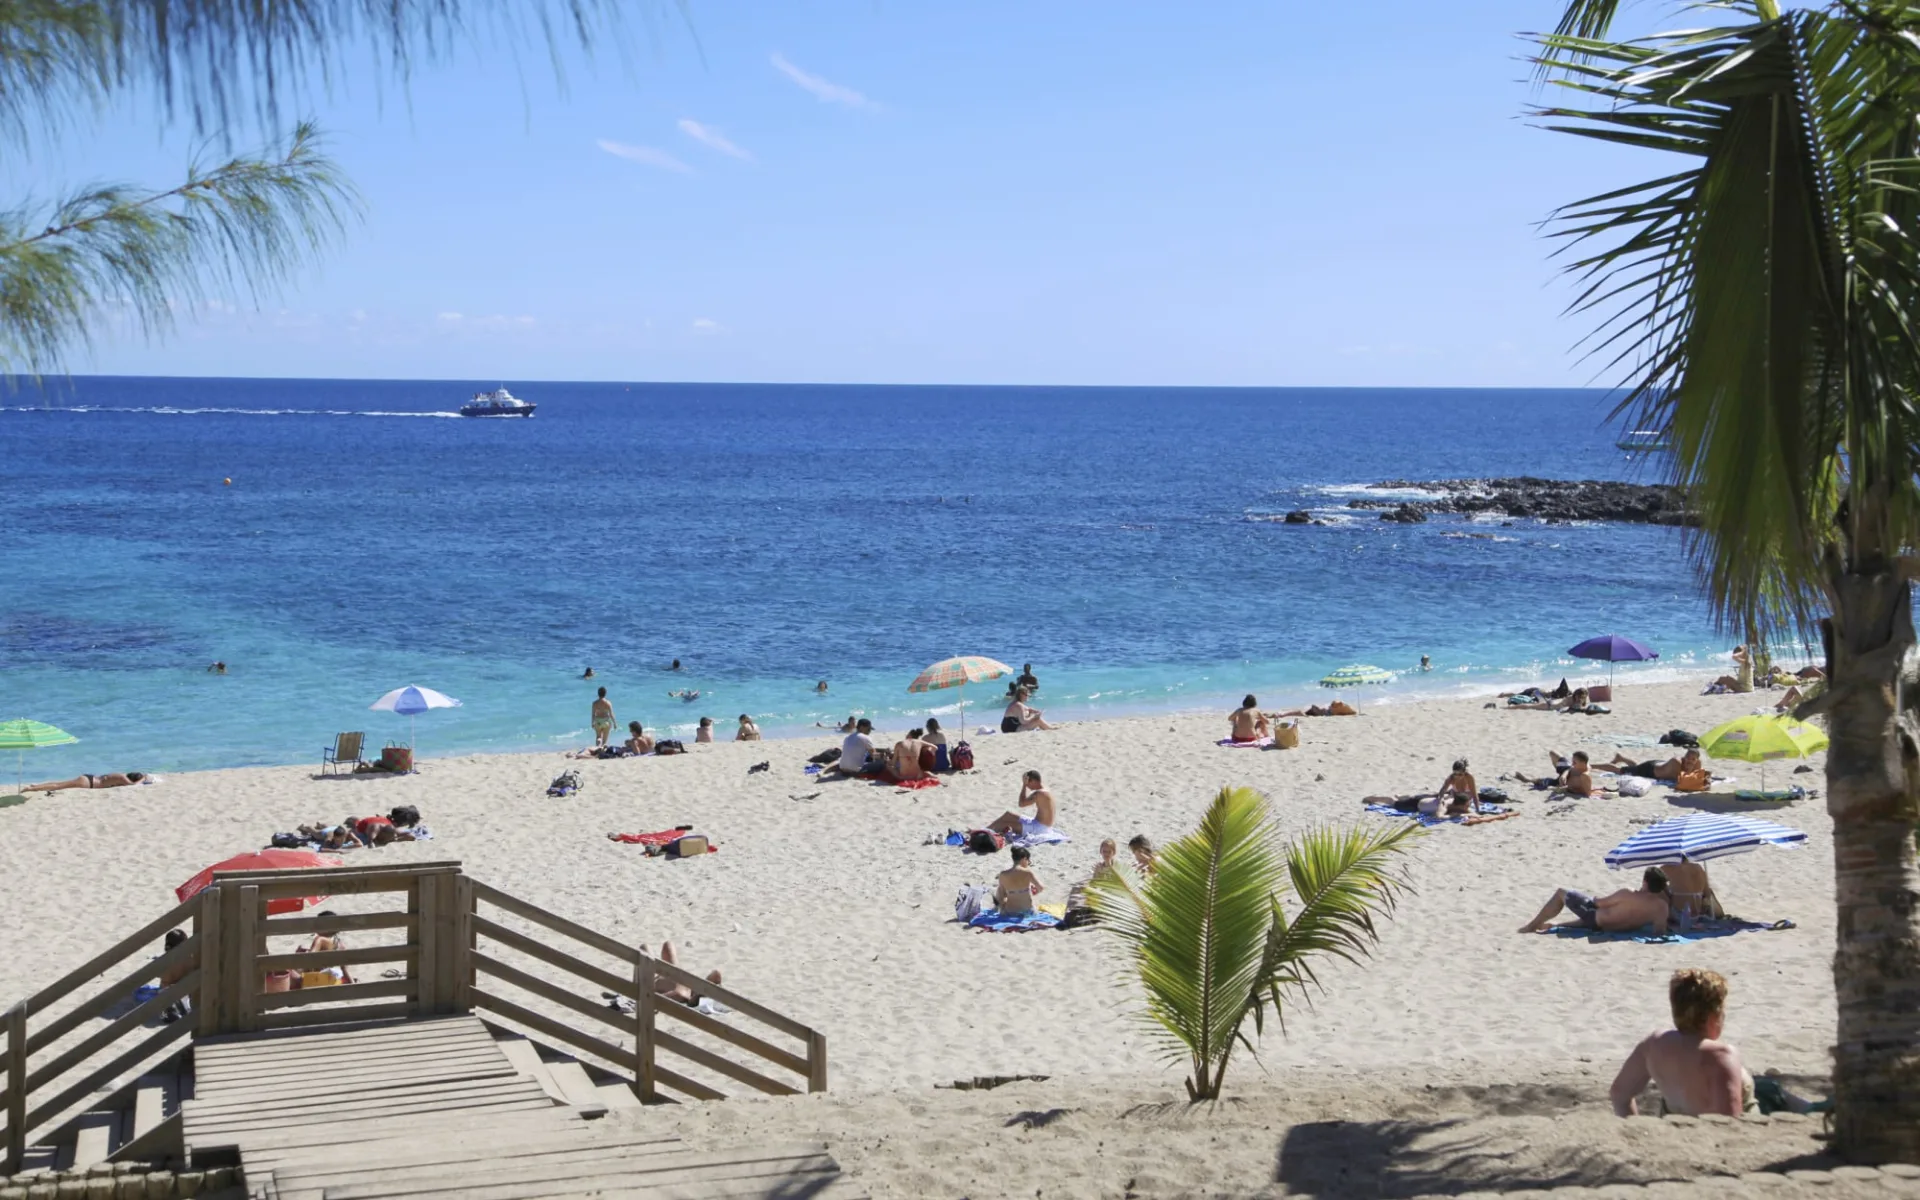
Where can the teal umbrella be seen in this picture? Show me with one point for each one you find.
(24, 735)
(1356, 675)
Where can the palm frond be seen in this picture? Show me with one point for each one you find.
(232, 229)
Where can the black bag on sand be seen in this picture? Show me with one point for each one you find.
(826, 756)
(669, 746)
(1681, 738)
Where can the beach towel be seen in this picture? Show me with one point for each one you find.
(1013, 922)
(1255, 744)
(910, 784)
(1037, 835)
(1626, 741)
(1701, 931)
(1387, 810)
(649, 839)
(1776, 795)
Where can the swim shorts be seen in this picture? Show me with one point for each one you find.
(1584, 908)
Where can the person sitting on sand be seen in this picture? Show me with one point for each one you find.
(937, 738)
(1019, 717)
(87, 781)
(1697, 1072)
(856, 752)
(680, 992)
(705, 732)
(748, 731)
(1650, 769)
(1248, 722)
(1034, 795)
(1571, 775)
(1142, 848)
(1014, 890)
(637, 740)
(1617, 913)
(1790, 701)
(1741, 680)
(1458, 791)
(911, 757)
(1690, 892)
(1109, 863)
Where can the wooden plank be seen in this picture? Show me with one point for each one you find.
(321, 959)
(463, 944)
(526, 1060)
(106, 1035)
(425, 1167)
(93, 1141)
(575, 1087)
(740, 1038)
(345, 1093)
(550, 955)
(100, 1075)
(662, 1077)
(732, 999)
(647, 999)
(314, 883)
(406, 1059)
(207, 1014)
(547, 1176)
(234, 958)
(487, 965)
(301, 1081)
(548, 1027)
(423, 901)
(300, 1017)
(446, 866)
(540, 916)
(721, 1065)
(384, 1033)
(817, 1062)
(619, 1095)
(338, 923)
(337, 994)
(415, 1130)
(114, 993)
(246, 938)
(234, 1130)
(149, 1109)
(132, 944)
(16, 1087)
(447, 957)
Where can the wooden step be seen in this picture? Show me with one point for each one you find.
(619, 1094)
(579, 1091)
(96, 1138)
(525, 1057)
(768, 1171)
(318, 1176)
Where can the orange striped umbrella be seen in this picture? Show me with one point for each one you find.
(958, 673)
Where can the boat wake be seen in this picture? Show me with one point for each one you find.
(170, 411)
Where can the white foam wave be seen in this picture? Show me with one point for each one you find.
(1377, 493)
(166, 410)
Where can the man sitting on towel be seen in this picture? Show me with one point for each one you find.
(1697, 1072)
(1034, 795)
(1249, 723)
(1620, 912)
(856, 753)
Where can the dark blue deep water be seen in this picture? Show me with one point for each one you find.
(769, 537)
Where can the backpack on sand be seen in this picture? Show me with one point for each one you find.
(963, 757)
(971, 901)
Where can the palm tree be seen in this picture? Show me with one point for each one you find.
(234, 227)
(1210, 941)
(1762, 298)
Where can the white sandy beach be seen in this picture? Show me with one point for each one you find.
(831, 909)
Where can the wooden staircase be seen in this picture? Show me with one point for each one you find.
(430, 1079)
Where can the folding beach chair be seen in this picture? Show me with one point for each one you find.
(345, 752)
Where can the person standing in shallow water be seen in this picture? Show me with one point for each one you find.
(602, 718)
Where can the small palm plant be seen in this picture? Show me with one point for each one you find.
(1211, 941)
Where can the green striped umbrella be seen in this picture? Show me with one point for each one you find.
(24, 735)
(1356, 675)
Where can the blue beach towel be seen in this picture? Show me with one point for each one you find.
(1387, 810)
(1701, 931)
(1013, 922)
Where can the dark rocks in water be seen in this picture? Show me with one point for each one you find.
(1405, 514)
(1550, 500)
(1299, 516)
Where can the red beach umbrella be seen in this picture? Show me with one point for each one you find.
(263, 860)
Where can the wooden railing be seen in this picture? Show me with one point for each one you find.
(461, 947)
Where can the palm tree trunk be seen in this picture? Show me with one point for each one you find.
(1872, 768)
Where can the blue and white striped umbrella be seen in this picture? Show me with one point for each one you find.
(1699, 836)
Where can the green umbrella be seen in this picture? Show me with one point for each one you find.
(1355, 676)
(24, 735)
(1759, 738)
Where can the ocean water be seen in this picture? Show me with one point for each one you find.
(768, 537)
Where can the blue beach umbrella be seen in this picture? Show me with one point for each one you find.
(1612, 648)
(411, 701)
(1699, 836)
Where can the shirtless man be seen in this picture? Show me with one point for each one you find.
(637, 739)
(1572, 774)
(662, 986)
(1669, 770)
(87, 781)
(1249, 723)
(602, 719)
(906, 757)
(1014, 890)
(1622, 911)
(1697, 1072)
(1034, 795)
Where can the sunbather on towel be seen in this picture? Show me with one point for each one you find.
(1457, 792)
(1650, 769)
(1034, 795)
(1622, 911)
(1248, 722)
(332, 837)
(1573, 775)
(662, 986)
(1339, 708)
(111, 779)
(1014, 890)
(912, 757)
(1697, 1072)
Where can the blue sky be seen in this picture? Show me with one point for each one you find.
(1230, 193)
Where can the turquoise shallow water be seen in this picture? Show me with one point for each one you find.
(769, 537)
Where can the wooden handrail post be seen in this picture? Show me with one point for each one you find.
(16, 1087)
(464, 941)
(206, 928)
(816, 1061)
(423, 970)
(246, 942)
(643, 1035)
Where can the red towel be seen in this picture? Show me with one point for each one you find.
(647, 839)
(914, 784)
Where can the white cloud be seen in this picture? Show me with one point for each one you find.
(452, 318)
(645, 155)
(357, 316)
(828, 91)
(707, 135)
(707, 325)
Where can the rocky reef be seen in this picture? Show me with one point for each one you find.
(1535, 499)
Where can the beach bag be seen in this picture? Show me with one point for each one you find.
(321, 978)
(669, 746)
(691, 846)
(406, 814)
(564, 784)
(398, 759)
(1681, 738)
(963, 757)
(1340, 708)
(1633, 785)
(289, 841)
(971, 902)
(985, 841)
(279, 981)
(1494, 795)
(1286, 737)
(1693, 781)
(825, 757)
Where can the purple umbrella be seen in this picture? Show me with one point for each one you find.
(1614, 649)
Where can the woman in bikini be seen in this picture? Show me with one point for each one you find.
(88, 781)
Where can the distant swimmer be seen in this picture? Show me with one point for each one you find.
(87, 781)
(587, 674)
(821, 687)
(218, 668)
(674, 666)
(1426, 662)
(684, 694)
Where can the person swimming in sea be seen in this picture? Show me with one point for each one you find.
(674, 665)
(587, 674)
(218, 668)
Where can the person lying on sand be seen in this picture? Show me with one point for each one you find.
(662, 986)
(332, 837)
(1579, 702)
(87, 781)
(1014, 890)
(1034, 795)
(1248, 722)
(1650, 769)
(1623, 910)
(1339, 708)
(1697, 1072)
(1571, 775)
(1020, 717)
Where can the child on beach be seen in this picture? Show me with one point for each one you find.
(1142, 847)
(748, 731)
(705, 732)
